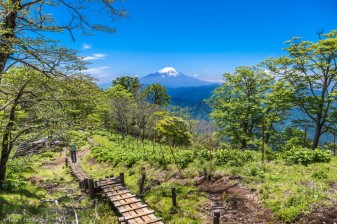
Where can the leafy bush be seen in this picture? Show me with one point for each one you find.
(320, 174)
(185, 157)
(233, 157)
(304, 156)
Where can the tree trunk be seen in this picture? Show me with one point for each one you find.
(6, 138)
(9, 23)
(318, 133)
(175, 160)
(243, 143)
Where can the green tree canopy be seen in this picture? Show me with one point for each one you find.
(311, 69)
(129, 83)
(31, 102)
(237, 104)
(121, 106)
(25, 28)
(156, 94)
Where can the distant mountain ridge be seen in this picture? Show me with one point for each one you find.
(171, 78)
(185, 91)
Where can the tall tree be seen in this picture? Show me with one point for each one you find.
(174, 131)
(121, 105)
(26, 101)
(237, 104)
(129, 83)
(156, 94)
(25, 28)
(311, 68)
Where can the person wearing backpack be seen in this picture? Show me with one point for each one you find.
(73, 152)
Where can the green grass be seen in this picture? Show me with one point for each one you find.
(287, 190)
(33, 185)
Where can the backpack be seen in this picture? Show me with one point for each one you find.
(73, 148)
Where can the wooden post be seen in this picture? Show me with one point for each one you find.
(174, 197)
(262, 147)
(142, 182)
(216, 217)
(91, 188)
(80, 184)
(66, 161)
(85, 185)
(121, 177)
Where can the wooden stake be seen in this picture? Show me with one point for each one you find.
(174, 197)
(91, 188)
(121, 177)
(85, 184)
(216, 217)
(142, 182)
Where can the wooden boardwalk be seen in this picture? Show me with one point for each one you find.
(128, 206)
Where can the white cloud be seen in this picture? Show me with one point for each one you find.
(214, 80)
(86, 46)
(206, 70)
(100, 73)
(94, 57)
(195, 75)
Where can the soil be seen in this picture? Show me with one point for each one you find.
(322, 215)
(235, 203)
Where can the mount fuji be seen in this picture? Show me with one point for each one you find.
(171, 78)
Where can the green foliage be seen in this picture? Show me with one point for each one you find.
(304, 156)
(156, 94)
(310, 69)
(320, 175)
(174, 131)
(232, 157)
(131, 84)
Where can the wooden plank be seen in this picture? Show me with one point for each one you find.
(153, 221)
(114, 188)
(133, 208)
(138, 215)
(128, 203)
(118, 199)
(110, 186)
(103, 183)
(120, 193)
(139, 220)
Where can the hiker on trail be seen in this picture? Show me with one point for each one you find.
(73, 152)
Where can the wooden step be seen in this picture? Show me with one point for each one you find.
(133, 209)
(127, 203)
(139, 215)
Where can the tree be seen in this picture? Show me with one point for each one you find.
(25, 28)
(121, 105)
(129, 83)
(174, 131)
(156, 94)
(27, 99)
(310, 67)
(237, 106)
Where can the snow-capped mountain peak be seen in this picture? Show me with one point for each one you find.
(171, 78)
(169, 71)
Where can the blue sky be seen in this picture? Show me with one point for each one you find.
(201, 38)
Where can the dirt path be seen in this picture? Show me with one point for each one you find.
(236, 203)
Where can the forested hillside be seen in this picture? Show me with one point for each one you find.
(74, 153)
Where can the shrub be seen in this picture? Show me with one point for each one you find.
(320, 174)
(304, 156)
